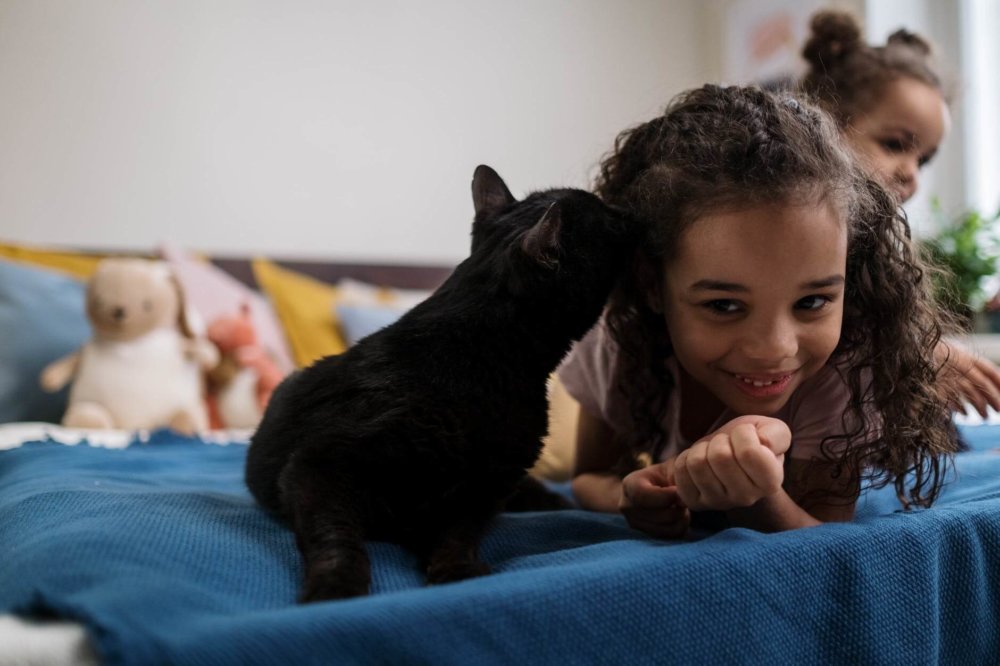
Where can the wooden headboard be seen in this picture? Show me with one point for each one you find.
(390, 275)
(403, 276)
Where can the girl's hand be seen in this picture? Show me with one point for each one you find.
(650, 502)
(737, 465)
(975, 380)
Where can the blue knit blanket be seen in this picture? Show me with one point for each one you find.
(160, 552)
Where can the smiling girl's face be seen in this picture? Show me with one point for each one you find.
(900, 134)
(754, 300)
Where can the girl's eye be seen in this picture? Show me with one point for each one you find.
(812, 303)
(894, 145)
(723, 306)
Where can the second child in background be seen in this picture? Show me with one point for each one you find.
(890, 104)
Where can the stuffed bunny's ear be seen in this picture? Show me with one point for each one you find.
(185, 316)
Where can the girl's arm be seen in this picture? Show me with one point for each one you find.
(596, 486)
(741, 469)
(810, 496)
(648, 502)
(976, 380)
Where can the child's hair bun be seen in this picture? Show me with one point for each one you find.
(834, 35)
(910, 40)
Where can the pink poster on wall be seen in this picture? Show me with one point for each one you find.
(763, 39)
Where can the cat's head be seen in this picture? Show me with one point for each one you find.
(561, 248)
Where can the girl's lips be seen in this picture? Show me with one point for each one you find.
(763, 386)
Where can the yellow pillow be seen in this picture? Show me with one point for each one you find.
(305, 307)
(77, 264)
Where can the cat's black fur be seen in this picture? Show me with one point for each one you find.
(420, 432)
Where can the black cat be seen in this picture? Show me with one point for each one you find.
(420, 432)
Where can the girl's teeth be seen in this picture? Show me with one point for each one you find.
(756, 383)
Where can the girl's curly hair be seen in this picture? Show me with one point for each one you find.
(847, 77)
(717, 149)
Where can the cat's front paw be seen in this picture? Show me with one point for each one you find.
(455, 571)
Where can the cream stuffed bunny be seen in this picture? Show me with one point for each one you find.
(143, 367)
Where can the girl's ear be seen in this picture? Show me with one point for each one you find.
(650, 280)
(654, 298)
(489, 192)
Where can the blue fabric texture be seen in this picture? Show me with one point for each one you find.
(42, 319)
(160, 552)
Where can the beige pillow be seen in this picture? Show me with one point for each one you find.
(559, 452)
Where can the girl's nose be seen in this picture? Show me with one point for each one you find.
(907, 177)
(772, 342)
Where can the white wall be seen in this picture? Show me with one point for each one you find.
(980, 23)
(337, 129)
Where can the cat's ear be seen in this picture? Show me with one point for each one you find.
(541, 242)
(489, 192)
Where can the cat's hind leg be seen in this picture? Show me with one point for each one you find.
(326, 514)
(454, 555)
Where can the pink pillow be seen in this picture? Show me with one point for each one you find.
(213, 293)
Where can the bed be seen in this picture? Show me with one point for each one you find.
(145, 548)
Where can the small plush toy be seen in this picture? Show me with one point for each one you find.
(240, 386)
(142, 369)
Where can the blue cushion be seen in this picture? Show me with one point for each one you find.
(42, 319)
(357, 321)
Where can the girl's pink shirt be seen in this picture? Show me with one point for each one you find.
(591, 373)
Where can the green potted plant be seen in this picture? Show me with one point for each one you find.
(967, 251)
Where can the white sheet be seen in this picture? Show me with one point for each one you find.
(47, 643)
(13, 435)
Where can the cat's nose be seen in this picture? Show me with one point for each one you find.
(118, 313)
